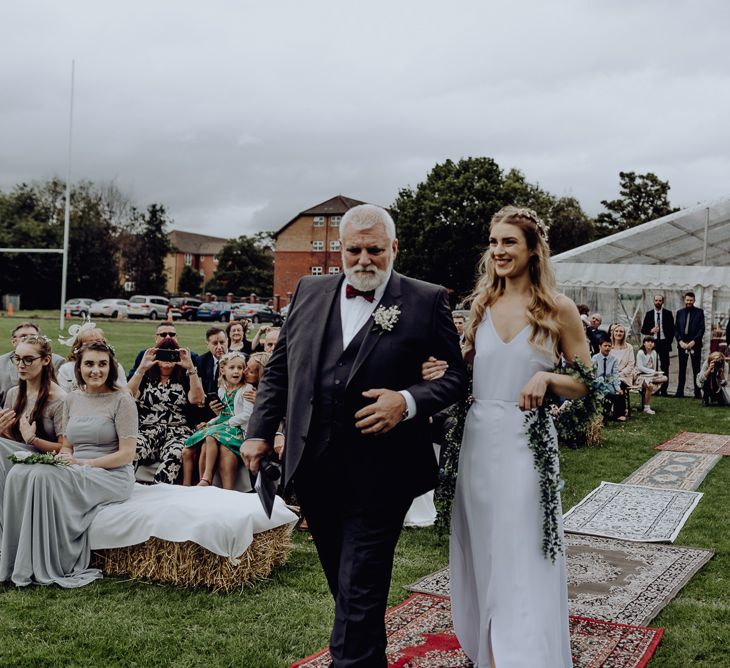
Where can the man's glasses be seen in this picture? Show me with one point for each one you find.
(163, 335)
(24, 361)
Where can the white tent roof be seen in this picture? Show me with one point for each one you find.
(676, 239)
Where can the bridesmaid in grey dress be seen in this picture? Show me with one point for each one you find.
(46, 510)
(33, 413)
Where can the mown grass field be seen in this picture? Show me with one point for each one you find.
(116, 622)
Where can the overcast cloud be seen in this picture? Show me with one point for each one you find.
(238, 115)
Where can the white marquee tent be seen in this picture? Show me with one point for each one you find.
(687, 250)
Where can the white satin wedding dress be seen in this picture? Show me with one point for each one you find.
(508, 600)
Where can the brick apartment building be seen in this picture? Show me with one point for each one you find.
(309, 244)
(194, 250)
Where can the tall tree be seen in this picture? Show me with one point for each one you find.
(190, 281)
(643, 197)
(443, 221)
(245, 265)
(570, 227)
(144, 244)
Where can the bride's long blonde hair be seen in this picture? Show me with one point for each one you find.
(542, 311)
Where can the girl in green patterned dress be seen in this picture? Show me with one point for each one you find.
(237, 386)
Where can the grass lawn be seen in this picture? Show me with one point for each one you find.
(118, 622)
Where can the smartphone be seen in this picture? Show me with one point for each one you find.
(210, 397)
(167, 355)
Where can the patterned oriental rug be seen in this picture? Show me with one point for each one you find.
(420, 635)
(630, 512)
(612, 580)
(674, 470)
(687, 441)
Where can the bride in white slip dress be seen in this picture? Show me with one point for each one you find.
(509, 601)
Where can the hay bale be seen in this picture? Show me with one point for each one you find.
(190, 565)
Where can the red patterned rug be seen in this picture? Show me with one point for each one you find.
(688, 441)
(420, 635)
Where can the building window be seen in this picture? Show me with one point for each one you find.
(335, 221)
(335, 245)
(318, 221)
(318, 245)
(334, 270)
(188, 258)
(316, 271)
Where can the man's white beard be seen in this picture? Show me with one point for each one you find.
(367, 278)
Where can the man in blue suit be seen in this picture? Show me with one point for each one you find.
(689, 331)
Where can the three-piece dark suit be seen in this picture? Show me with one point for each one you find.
(355, 489)
(690, 326)
(663, 346)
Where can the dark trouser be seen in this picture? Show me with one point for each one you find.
(356, 548)
(712, 393)
(615, 404)
(663, 349)
(695, 354)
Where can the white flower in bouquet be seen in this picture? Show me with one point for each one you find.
(385, 318)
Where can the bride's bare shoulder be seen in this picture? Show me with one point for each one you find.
(567, 310)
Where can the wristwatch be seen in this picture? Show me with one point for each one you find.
(192, 372)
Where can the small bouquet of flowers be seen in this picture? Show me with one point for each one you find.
(24, 457)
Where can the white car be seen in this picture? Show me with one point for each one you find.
(109, 308)
(148, 306)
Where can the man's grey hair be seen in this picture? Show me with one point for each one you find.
(365, 216)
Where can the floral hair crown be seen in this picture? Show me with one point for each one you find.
(229, 356)
(75, 330)
(36, 338)
(529, 214)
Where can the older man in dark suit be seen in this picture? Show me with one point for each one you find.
(346, 373)
(659, 323)
(690, 329)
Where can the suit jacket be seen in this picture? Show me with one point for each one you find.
(667, 325)
(696, 326)
(400, 461)
(205, 364)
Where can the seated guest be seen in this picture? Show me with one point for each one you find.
(712, 379)
(624, 353)
(46, 510)
(236, 333)
(81, 334)
(606, 367)
(649, 378)
(237, 378)
(165, 385)
(594, 333)
(8, 370)
(32, 419)
(165, 330)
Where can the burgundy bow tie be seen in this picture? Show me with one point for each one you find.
(351, 292)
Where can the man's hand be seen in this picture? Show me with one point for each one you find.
(279, 443)
(216, 407)
(381, 416)
(252, 451)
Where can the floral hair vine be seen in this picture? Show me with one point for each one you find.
(529, 214)
(230, 355)
(36, 338)
(75, 330)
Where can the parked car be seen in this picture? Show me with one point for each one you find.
(78, 306)
(148, 306)
(257, 313)
(215, 311)
(109, 308)
(284, 312)
(185, 307)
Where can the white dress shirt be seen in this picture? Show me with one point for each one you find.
(354, 313)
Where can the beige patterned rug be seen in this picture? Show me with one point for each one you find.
(632, 512)
(674, 470)
(612, 580)
(688, 441)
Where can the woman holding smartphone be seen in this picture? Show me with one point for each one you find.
(165, 385)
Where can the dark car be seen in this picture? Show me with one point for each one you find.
(257, 313)
(186, 307)
(215, 311)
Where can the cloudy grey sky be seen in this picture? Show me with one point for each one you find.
(238, 115)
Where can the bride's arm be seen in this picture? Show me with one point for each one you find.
(573, 346)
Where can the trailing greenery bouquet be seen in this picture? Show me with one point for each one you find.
(24, 457)
(571, 421)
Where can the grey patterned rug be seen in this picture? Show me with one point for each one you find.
(674, 470)
(612, 580)
(632, 512)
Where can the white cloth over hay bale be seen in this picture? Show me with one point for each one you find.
(191, 536)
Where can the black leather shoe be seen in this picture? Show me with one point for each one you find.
(679, 396)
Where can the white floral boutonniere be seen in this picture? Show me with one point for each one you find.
(385, 318)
